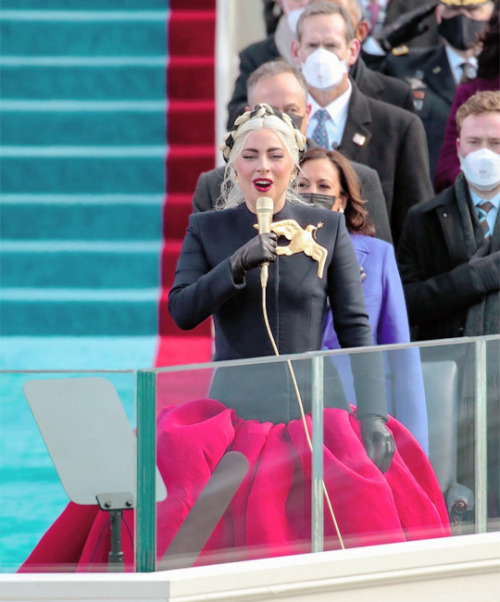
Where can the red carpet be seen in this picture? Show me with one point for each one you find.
(191, 142)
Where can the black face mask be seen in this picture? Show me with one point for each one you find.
(325, 201)
(461, 32)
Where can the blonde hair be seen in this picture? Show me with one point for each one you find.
(487, 101)
(262, 117)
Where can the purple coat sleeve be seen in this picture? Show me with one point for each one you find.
(386, 308)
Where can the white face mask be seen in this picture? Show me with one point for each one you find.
(323, 69)
(293, 19)
(481, 168)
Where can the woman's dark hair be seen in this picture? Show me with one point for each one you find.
(488, 59)
(356, 216)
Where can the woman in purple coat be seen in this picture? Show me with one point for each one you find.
(327, 178)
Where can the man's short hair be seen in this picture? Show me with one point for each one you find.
(464, 3)
(325, 7)
(275, 67)
(487, 101)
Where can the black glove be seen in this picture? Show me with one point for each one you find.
(486, 269)
(379, 443)
(406, 27)
(257, 250)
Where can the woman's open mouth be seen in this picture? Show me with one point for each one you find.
(262, 184)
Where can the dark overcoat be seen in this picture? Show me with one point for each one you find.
(429, 74)
(297, 302)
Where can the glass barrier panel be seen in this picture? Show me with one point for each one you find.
(66, 441)
(249, 459)
(462, 391)
(236, 461)
(242, 478)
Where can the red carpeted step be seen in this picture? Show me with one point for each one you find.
(192, 4)
(191, 77)
(168, 326)
(191, 122)
(176, 211)
(172, 352)
(184, 165)
(169, 255)
(191, 32)
(191, 140)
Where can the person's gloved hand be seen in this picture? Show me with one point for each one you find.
(486, 269)
(406, 27)
(378, 440)
(257, 250)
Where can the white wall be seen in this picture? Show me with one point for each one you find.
(239, 23)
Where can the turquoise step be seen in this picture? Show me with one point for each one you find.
(81, 353)
(62, 264)
(84, 5)
(77, 174)
(123, 34)
(77, 312)
(95, 78)
(107, 217)
(119, 128)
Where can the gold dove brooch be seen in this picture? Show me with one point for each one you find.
(302, 240)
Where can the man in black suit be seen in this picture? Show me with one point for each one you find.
(434, 72)
(387, 138)
(447, 267)
(283, 86)
(450, 267)
(372, 83)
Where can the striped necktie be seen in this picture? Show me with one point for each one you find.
(319, 134)
(482, 211)
(468, 72)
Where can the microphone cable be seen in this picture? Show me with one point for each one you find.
(301, 409)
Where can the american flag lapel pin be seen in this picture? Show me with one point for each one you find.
(359, 139)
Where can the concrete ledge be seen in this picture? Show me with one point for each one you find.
(459, 569)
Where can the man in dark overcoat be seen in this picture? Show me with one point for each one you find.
(449, 260)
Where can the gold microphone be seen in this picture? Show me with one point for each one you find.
(265, 209)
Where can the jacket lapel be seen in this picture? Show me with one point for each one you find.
(356, 133)
(360, 249)
(439, 77)
(447, 213)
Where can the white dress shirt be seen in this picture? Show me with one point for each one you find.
(338, 117)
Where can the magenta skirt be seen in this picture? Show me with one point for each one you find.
(270, 514)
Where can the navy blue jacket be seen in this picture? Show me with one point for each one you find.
(296, 304)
